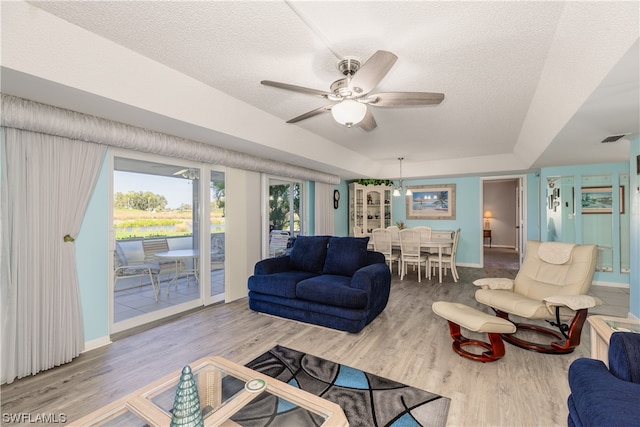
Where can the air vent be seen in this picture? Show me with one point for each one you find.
(612, 138)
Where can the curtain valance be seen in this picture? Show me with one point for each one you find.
(28, 115)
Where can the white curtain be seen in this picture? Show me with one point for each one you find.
(325, 223)
(47, 182)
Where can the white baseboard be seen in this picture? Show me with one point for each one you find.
(468, 264)
(610, 284)
(98, 342)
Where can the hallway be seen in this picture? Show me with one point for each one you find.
(506, 258)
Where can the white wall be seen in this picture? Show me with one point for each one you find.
(242, 221)
(499, 197)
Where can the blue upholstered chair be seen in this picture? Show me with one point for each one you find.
(602, 396)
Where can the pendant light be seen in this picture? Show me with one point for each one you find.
(397, 191)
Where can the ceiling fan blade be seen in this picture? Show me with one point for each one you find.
(310, 114)
(369, 122)
(405, 99)
(295, 88)
(372, 72)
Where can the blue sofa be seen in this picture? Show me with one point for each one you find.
(328, 281)
(607, 397)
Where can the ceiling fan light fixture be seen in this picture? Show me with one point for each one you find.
(349, 112)
(396, 192)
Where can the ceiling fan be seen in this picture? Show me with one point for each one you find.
(351, 93)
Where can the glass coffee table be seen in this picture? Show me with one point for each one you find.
(230, 395)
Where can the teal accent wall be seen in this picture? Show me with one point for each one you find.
(586, 228)
(468, 208)
(634, 209)
(92, 245)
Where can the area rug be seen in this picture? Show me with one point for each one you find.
(366, 399)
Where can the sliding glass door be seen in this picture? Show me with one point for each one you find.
(168, 247)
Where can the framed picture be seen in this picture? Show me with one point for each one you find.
(432, 202)
(598, 200)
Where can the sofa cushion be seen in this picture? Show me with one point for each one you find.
(332, 290)
(345, 255)
(308, 253)
(280, 284)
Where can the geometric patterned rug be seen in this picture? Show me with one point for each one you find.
(367, 400)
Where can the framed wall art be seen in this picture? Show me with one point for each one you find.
(432, 202)
(598, 200)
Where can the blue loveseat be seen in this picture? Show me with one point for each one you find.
(607, 397)
(328, 281)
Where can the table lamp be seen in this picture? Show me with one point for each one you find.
(487, 216)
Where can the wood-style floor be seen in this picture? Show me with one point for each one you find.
(406, 343)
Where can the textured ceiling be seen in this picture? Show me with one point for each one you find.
(506, 69)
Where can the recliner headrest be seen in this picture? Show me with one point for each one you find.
(555, 252)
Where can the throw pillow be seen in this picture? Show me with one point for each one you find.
(345, 255)
(308, 253)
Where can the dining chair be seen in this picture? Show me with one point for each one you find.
(382, 244)
(425, 236)
(357, 231)
(448, 259)
(395, 233)
(410, 251)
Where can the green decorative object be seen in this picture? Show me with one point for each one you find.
(186, 406)
(374, 182)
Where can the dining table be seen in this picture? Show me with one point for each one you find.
(435, 242)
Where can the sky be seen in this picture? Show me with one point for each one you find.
(177, 191)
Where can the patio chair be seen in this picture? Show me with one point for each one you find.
(217, 248)
(124, 270)
(278, 242)
(155, 245)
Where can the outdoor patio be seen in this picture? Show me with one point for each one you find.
(134, 297)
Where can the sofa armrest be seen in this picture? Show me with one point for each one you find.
(375, 280)
(272, 265)
(599, 398)
(624, 356)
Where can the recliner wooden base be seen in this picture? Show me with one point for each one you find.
(565, 345)
(495, 349)
(469, 318)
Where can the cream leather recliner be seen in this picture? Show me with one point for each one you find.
(552, 285)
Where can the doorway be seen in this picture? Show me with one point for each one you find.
(503, 221)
